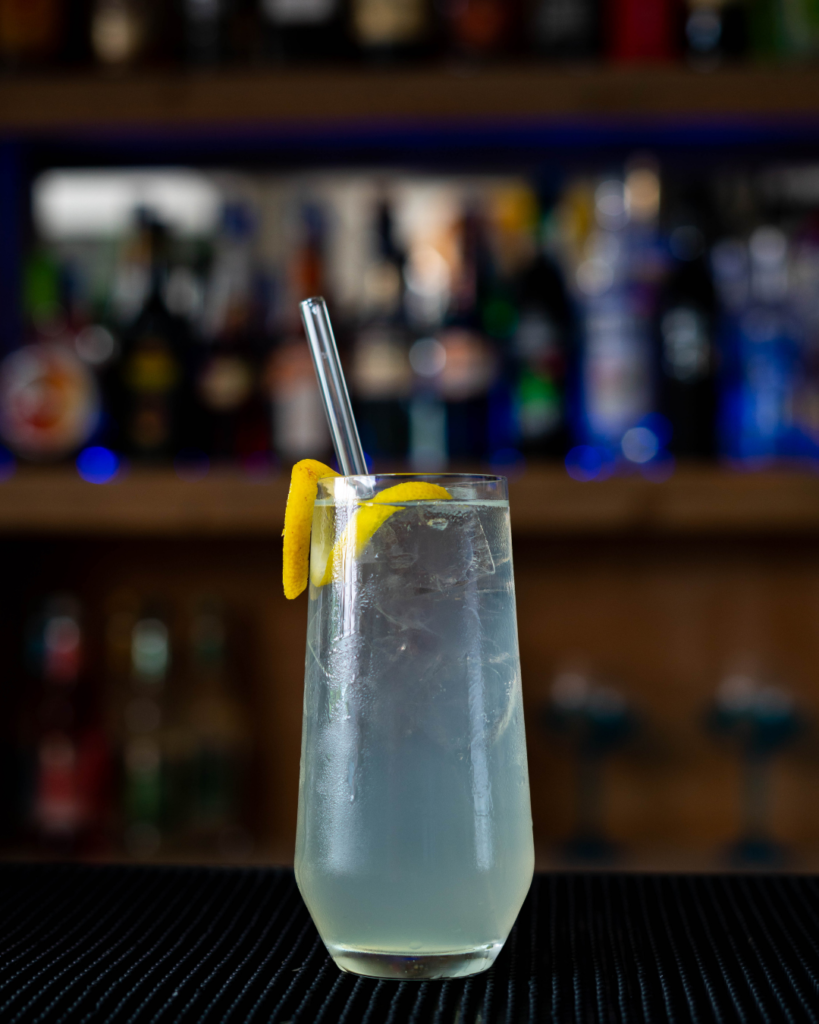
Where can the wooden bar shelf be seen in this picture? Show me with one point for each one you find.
(696, 501)
(299, 99)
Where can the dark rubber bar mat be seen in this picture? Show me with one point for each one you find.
(172, 944)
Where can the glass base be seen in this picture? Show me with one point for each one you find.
(415, 966)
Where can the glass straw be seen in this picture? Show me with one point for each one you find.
(333, 387)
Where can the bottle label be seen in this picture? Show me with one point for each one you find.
(117, 33)
(58, 806)
(49, 401)
(685, 344)
(388, 22)
(470, 367)
(151, 369)
(61, 642)
(299, 423)
(617, 373)
(539, 406)
(226, 383)
(381, 369)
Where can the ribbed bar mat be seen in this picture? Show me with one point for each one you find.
(207, 944)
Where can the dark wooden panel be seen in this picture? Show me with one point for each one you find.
(429, 95)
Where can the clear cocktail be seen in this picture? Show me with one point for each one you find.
(414, 849)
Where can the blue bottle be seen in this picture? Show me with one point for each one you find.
(761, 349)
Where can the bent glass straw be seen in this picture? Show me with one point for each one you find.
(333, 387)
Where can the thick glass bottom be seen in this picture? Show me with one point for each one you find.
(415, 966)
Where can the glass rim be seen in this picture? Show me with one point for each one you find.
(488, 478)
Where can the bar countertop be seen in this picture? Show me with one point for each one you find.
(99, 943)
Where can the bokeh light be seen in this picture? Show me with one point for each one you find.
(98, 465)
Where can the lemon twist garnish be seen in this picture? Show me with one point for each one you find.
(370, 515)
(298, 519)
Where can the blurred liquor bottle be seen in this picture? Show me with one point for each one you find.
(716, 31)
(386, 30)
(615, 284)
(541, 352)
(49, 397)
(75, 45)
(457, 303)
(204, 31)
(784, 30)
(481, 28)
(380, 370)
(304, 29)
(120, 32)
(153, 373)
(30, 31)
(469, 358)
(220, 739)
(299, 427)
(762, 345)
(145, 771)
(71, 771)
(804, 289)
(641, 31)
(566, 29)
(234, 421)
(686, 333)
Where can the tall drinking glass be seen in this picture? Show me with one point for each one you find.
(414, 848)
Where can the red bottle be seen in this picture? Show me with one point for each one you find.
(642, 31)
